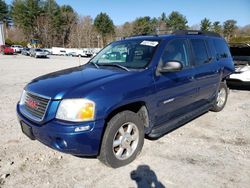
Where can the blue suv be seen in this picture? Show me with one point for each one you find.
(136, 87)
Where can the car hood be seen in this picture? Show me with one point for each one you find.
(61, 84)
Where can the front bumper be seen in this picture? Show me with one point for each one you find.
(62, 136)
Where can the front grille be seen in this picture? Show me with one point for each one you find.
(36, 105)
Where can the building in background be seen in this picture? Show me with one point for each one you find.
(2, 40)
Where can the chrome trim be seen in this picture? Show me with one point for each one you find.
(42, 96)
(29, 115)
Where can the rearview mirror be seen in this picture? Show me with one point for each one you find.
(171, 66)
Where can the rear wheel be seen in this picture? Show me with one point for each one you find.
(221, 98)
(122, 140)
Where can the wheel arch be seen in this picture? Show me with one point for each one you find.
(138, 107)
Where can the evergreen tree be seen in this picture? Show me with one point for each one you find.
(229, 28)
(205, 24)
(216, 27)
(104, 26)
(3, 10)
(176, 21)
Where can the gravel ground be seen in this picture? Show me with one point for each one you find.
(211, 151)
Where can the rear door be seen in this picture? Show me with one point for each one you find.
(175, 90)
(206, 70)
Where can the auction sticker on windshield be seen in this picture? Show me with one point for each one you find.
(149, 43)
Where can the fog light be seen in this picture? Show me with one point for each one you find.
(60, 143)
(83, 128)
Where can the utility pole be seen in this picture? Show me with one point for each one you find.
(98, 44)
(2, 39)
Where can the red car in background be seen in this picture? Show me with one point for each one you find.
(6, 50)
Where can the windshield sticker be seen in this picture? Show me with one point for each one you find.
(149, 43)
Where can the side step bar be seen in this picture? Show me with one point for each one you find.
(175, 123)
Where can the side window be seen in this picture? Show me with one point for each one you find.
(200, 51)
(176, 50)
(210, 43)
(222, 50)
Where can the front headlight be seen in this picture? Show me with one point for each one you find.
(22, 98)
(76, 110)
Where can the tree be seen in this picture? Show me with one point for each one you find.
(163, 17)
(229, 28)
(52, 13)
(104, 26)
(176, 21)
(216, 27)
(68, 20)
(205, 24)
(144, 25)
(161, 24)
(124, 30)
(25, 14)
(3, 10)
(83, 33)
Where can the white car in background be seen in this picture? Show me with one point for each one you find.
(37, 52)
(241, 57)
(17, 48)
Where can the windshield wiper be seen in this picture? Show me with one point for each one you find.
(115, 65)
(94, 64)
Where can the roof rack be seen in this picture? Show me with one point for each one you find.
(196, 32)
(140, 35)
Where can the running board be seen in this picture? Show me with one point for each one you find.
(176, 123)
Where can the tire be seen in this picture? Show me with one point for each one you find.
(127, 145)
(221, 98)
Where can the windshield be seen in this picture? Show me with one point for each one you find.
(39, 50)
(134, 54)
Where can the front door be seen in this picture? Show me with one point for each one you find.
(176, 91)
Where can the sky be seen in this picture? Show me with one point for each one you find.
(121, 11)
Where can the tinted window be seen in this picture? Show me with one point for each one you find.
(240, 51)
(200, 51)
(176, 50)
(221, 48)
(212, 49)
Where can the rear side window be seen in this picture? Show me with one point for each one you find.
(200, 51)
(222, 50)
(176, 50)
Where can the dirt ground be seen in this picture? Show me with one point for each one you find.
(211, 151)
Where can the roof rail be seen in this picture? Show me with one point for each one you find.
(141, 35)
(196, 32)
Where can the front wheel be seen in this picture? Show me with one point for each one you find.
(123, 139)
(221, 98)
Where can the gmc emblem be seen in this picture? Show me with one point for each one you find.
(32, 104)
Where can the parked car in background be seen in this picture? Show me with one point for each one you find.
(62, 53)
(73, 54)
(143, 85)
(17, 48)
(77, 53)
(47, 51)
(241, 58)
(37, 52)
(26, 51)
(6, 50)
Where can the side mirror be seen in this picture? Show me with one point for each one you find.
(171, 66)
